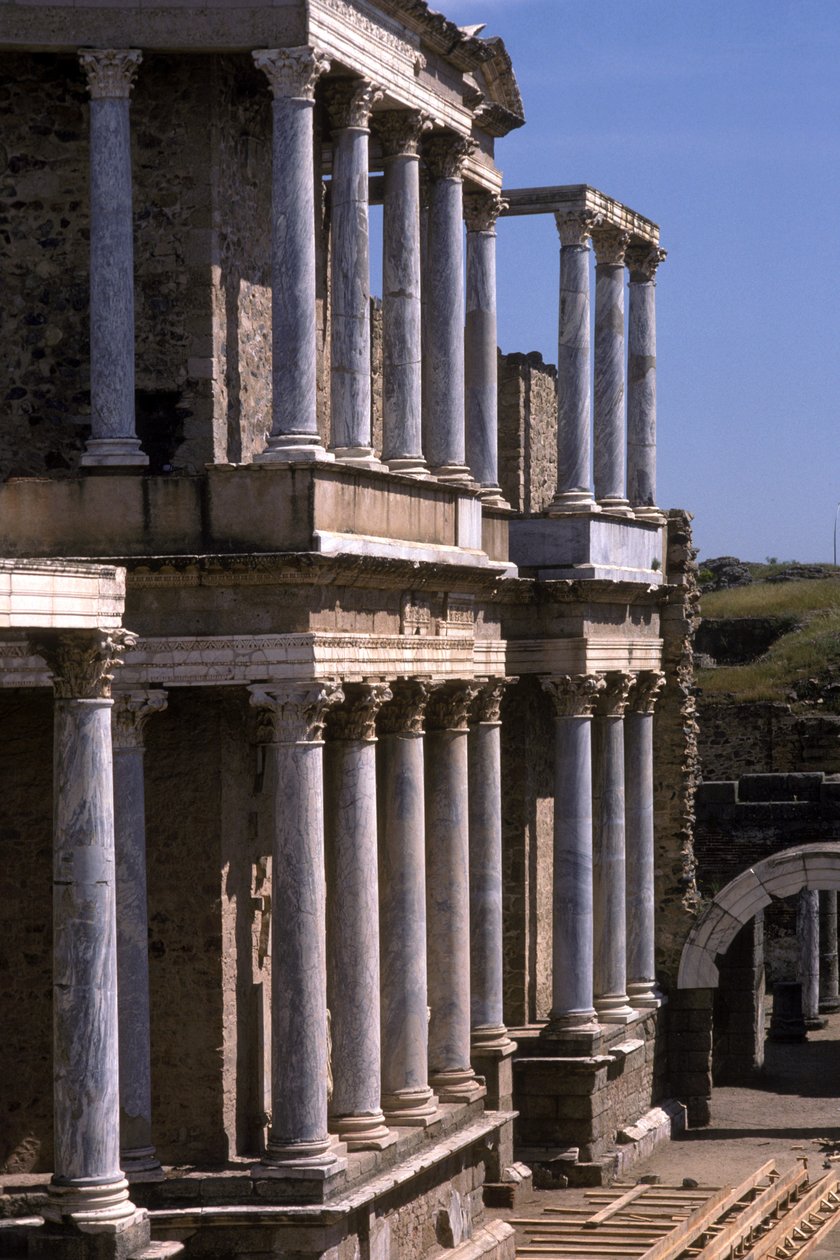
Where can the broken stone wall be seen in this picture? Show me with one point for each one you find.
(527, 431)
(765, 737)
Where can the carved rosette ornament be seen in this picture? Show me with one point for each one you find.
(612, 701)
(446, 154)
(292, 72)
(131, 711)
(401, 130)
(610, 246)
(482, 209)
(486, 707)
(356, 719)
(645, 691)
(110, 71)
(82, 663)
(574, 695)
(642, 260)
(575, 227)
(296, 711)
(449, 706)
(350, 101)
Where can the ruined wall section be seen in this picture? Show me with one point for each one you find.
(527, 431)
(767, 737)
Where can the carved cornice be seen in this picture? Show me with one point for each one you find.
(131, 711)
(110, 71)
(404, 713)
(401, 130)
(482, 209)
(610, 246)
(296, 711)
(449, 706)
(486, 707)
(356, 719)
(642, 260)
(645, 691)
(612, 701)
(574, 227)
(573, 695)
(292, 72)
(350, 101)
(82, 663)
(446, 155)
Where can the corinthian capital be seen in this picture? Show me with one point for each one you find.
(449, 706)
(82, 662)
(575, 226)
(610, 246)
(356, 719)
(404, 713)
(645, 691)
(482, 209)
(350, 101)
(110, 71)
(292, 72)
(642, 260)
(486, 706)
(573, 695)
(446, 155)
(131, 712)
(401, 130)
(612, 701)
(295, 712)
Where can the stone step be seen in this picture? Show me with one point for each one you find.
(158, 1251)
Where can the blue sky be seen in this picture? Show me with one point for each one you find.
(721, 121)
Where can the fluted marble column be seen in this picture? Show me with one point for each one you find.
(448, 892)
(353, 919)
(609, 862)
(808, 934)
(443, 326)
(481, 210)
(88, 1189)
(829, 987)
(638, 777)
(131, 711)
(406, 1096)
(295, 713)
(642, 262)
(292, 74)
(113, 441)
(400, 132)
(574, 393)
(572, 1006)
(609, 421)
(350, 102)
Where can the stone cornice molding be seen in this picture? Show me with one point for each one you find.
(405, 711)
(645, 691)
(446, 155)
(482, 209)
(295, 712)
(487, 705)
(574, 695)
(574, 227)
(401, 130)
(642, 260)
(82, 664)
(610, 246)
(131, 711)
(350, 101)
(356, 718)
(612, 700)
(292, 73)
(110, 71)
(449, 706)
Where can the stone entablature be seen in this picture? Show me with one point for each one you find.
(58, 593)
(581, 199)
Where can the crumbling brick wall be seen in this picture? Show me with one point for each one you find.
(527, 431)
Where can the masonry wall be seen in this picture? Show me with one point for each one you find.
(766, 737)
(527, 431)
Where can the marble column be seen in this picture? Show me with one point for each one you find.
(88, 1190)
(443, 403)
(609, 862)
(292, 74)
(448, 892)
(298, 1143)
(638, 779)
(642, 262)
(349, 102)
(481, 210)
(574, 392)
(609, 421)
(406, 1096)
(400, 132)
(808, 935)
(113, 441)
(829, 986)
(353, 918)
(572, 1006)
(131, 711)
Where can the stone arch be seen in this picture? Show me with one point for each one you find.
(781, 875)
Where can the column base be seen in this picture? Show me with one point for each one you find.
(363, 1133)
(92, 1206)
(414, 1108)
(569, 1024)
(359, 456)
(458, 1085)
(491, 496)
(408, 465)
(813, 1023)
(643, 993)
(141, 1164)
(294, 448)
(491, 1040)
(313, 1160)
(828, 1006)
(122, 452)
(615, 1009)
(491, 1055)
(572, 502)
(457, 474)
(652, 514)
(616, 506)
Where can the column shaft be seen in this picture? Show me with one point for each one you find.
(638, 774)
(808, 933)
(574, 397)
(829, 987)
(481, 346)
(609, 422)
(641, 379)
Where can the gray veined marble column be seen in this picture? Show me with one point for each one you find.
(353, 919)
(829, 986)
(293, 74)
(448, 892)
(638, 779)
(609, 419)
(113, 441)
(443, 325)
(808, 934)
(642, 262)
(406, 1096)
(298, 1142)
(609, 861)
(131, 711)
(574, 368)
(572, 1007)
(350, 102)
(88, 1189)
(400, 132)
(481, 210)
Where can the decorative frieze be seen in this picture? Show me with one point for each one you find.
(292, 72)
(131, 711)
(297, 711)
(356, 718)
(110, 71)
(415, 615)
(82, 664)
(574, 695)
(350, 101)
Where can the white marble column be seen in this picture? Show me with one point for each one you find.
(113, 441)
(574, 369)
(448, 892)
(88, 1189)
(808, 935)
(298, 1142)
(443, 326)
(349, 102)
(609, 420)
(609, 861)
(406, 1096)
(131, 711)
(638, 779)
(572, 1006)
(400, 132)
(642, 262)
(292, 74)
(353, 918)
(481, 210)
(829, 987)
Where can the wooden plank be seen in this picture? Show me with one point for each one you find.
(679, 1239)
(635, 1192)
(737, 1231)
(792, 1219)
